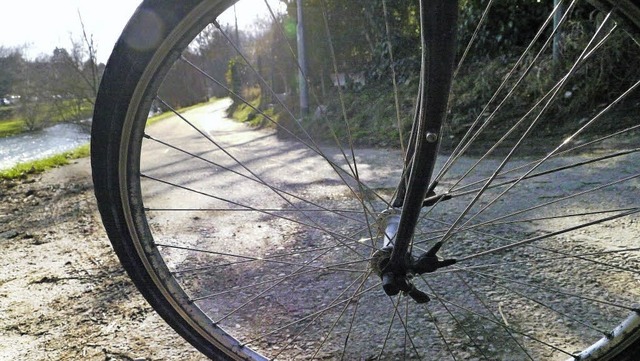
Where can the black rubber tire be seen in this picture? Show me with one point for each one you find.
(152, 23)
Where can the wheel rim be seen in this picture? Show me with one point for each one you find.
(153, 239)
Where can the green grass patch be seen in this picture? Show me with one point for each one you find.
(247, 113)
(41, 165)
(11, 127)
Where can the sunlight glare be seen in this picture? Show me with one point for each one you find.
(250, 13)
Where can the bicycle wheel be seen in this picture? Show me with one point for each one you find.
(265, 242)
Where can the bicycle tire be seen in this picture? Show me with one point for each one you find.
(135, 71)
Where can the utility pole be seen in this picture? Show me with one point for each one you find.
(237, 34)
(302, 61)
(557, 37)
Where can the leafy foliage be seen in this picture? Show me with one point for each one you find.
(373, 40)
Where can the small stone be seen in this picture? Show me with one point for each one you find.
(9, 234)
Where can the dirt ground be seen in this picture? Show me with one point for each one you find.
(63, 294)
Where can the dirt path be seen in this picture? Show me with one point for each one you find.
(63, 294)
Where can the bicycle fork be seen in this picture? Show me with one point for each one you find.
(394, 263)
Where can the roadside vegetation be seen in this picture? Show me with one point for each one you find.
(367, 100)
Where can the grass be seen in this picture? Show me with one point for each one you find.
(41, 165)
(247, 113)
(11, 127)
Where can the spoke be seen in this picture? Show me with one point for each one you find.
(548, 218)
(337, 237)
(549, 99)
(335, 323)
(564, 256)
(343, 107)
(437, 233)
(472, 312)
(395, 313)
(352, 167)
(469, 138)
(256, 284)
(536, 301)
(458, 192)
(439, 330)
(394, 79)
(252, 299)
(486, 307)
(579, 131)
(481, 23)
(316, 98)
(281, 210)
(455, 319)
(267, 258)
(335, 247)
(340, 172)
(314, 316)
(553, 291)
(263, 259)
(350, 330)
(274, 189)
(346, 306)
(407, 334)
(558, 200)
(552, 234)
(582, 258)
(558, 154)
(389, 328)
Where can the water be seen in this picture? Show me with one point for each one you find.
(41, 144)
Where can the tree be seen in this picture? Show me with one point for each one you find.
(183, 86)
(11, 62)
(34, 105)
(74, 78)
(213, 54)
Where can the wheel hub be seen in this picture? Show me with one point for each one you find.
(396, 279)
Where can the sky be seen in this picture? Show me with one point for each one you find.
(43, 25)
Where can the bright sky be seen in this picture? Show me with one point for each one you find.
(43, 25)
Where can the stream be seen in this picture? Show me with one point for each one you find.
(41, 144)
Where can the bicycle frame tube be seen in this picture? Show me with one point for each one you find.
(438, 39)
